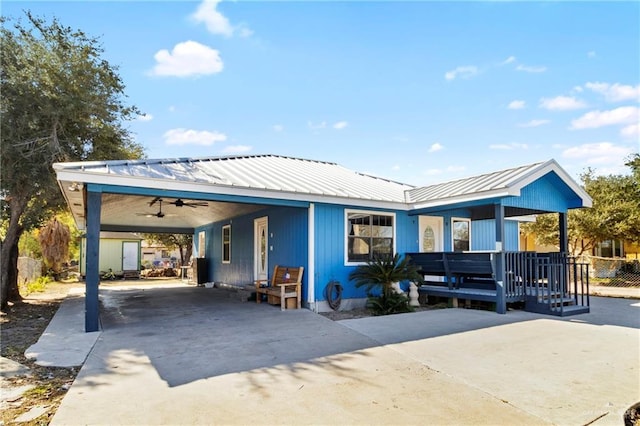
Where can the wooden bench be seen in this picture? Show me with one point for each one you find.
(284, 288)
(469, 276)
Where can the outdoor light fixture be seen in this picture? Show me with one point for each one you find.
(75, 186)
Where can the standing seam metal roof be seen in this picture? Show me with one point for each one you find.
(265, 172)
(473, 185)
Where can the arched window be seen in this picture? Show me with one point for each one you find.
(428, 239)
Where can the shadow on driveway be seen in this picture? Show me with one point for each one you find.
(192, 333)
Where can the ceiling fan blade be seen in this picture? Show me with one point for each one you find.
(152, 202)
(181, 203)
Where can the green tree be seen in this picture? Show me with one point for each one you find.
(182, 242)
(615, 213)
(60, 101)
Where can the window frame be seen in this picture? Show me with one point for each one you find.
(347, 212)
(453, 240)
(226, 259)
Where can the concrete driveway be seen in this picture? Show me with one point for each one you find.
(189, 355)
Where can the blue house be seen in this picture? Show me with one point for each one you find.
(249, 213)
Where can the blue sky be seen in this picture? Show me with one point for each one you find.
(418, 92)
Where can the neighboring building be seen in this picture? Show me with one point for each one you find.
(119, 253)
(249, 213)
(156, 255)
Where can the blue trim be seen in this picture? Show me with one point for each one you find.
(92, 281)
(115, 189)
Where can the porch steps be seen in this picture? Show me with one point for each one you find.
(563, 307)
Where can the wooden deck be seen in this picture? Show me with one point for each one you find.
(552, 283)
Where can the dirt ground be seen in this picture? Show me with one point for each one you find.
(20, 327)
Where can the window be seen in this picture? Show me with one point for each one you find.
(369, 236)
(429, 239)
(460, 234)
(609, 248)
(226, 244)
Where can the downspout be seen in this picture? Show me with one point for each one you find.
(311, 261)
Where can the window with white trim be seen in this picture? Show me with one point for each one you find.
(369, 235)
(461, 234)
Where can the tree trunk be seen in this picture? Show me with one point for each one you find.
(9, 255)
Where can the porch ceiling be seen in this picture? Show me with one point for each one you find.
(122, 212)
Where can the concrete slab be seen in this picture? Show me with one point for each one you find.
(64, 342)
(194, 356)
(191, 355)
(573, 370)
(11, 368)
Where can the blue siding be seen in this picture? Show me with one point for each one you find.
(288, 244)
(549, 193)
(483, 235)
(330, 247)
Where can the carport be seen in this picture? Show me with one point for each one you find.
(149, 196)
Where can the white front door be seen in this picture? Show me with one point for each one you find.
(130, 255)
(431, 238)
(261, 248)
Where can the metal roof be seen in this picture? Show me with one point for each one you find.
(237, 185)
(258, 172)
(496, 184)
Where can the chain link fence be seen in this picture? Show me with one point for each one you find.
(614, 271)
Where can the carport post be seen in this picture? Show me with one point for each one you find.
(91, 313)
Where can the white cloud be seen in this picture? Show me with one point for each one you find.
(630, 131)
(432, 172)
(595, 119)
(313, 126)
(599, 154)
(188, 58)
(145, 117)
(340, 125)
(216, 23)
(509, 60)
(182, 136)
(172, 108)
(278, 127)
(517, 104)
(456, 169)
(615, 92)
(436, 147)
(237, 149)
(534, 123)
(509, 146)
(532, 69)
(462, 72)
(561, 103)
(591, 54)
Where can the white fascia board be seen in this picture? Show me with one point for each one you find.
(553, 166)
(466, 198)
(208, 188)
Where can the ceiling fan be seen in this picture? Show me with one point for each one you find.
(180, 203)
(159, 214)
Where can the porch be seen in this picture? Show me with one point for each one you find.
(547, 283)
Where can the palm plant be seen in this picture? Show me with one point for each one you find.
(381, 273)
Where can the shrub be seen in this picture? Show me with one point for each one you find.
(380, 274)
